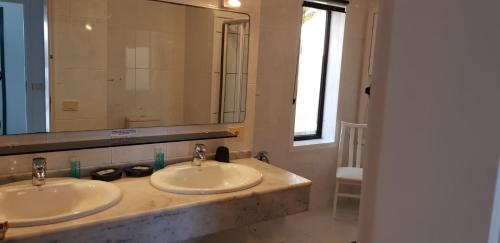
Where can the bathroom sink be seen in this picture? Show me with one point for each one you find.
(210, 178)
(60, 199)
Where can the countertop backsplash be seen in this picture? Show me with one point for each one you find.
(63, 170)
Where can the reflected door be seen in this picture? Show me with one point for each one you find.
(14, 67)
(22, 67)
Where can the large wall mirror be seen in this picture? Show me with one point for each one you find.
(77, 65)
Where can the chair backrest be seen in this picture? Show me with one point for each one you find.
(355, 134)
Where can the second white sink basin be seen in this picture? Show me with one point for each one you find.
(210, 178)
(60, 199)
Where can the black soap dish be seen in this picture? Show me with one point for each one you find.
(107, 174)
(139, 171)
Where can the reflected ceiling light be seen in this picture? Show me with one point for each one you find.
(234, 3)
(88, 27)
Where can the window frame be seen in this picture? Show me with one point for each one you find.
(324, 70)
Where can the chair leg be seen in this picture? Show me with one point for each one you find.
(336, 198)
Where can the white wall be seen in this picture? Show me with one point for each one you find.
(434, 123)
(278, 57)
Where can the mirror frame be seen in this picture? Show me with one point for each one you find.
(48, 72)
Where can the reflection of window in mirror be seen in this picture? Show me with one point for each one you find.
(317, 89)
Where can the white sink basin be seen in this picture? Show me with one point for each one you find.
(209, 178)
(60, 199)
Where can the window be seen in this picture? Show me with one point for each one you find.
(318, 78)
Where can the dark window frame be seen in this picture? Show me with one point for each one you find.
(322, 93)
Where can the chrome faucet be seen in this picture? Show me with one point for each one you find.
(39, 169)
(199, 154)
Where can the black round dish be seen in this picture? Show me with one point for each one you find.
(107, 174)
(139, 171)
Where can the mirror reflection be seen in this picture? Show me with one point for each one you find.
(112, 64)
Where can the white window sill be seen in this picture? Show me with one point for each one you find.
(313, 144)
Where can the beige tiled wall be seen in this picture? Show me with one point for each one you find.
(79, 71)
(130, 56)
(153, 35)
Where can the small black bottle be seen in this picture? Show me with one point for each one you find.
(222, 154)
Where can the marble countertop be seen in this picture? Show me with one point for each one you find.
(141, 199)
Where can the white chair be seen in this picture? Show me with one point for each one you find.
(350, 171)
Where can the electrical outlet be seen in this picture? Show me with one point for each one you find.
(238, 131)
